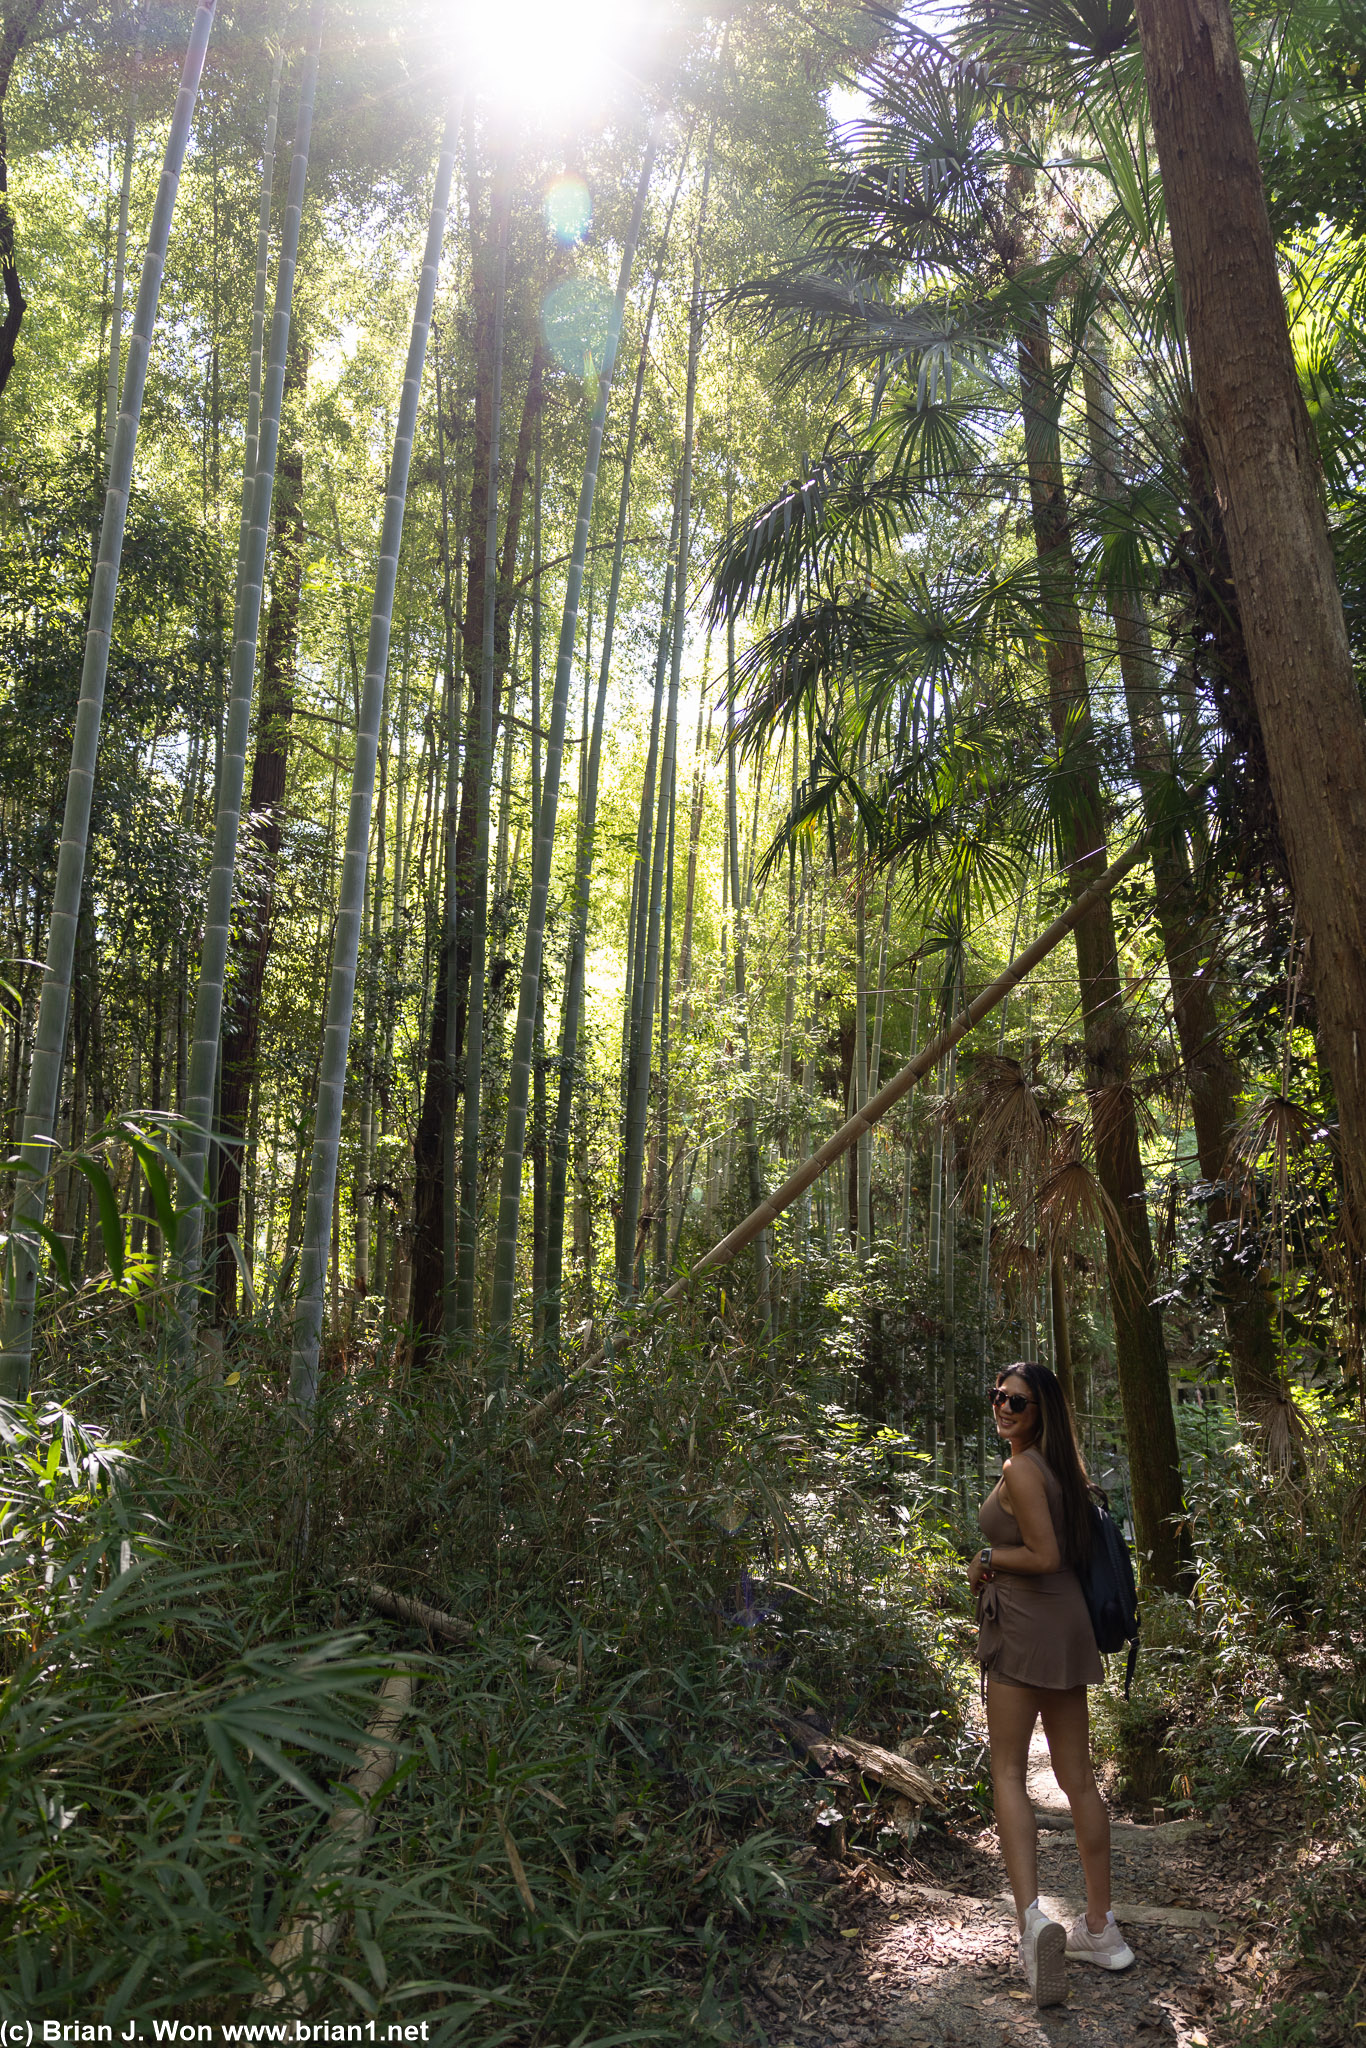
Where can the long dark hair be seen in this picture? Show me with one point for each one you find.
(1057, 1445)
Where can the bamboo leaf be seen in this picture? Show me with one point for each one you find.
(106, 1201)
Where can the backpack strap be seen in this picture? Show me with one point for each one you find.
(1129, 1667)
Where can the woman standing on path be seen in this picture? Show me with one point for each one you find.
(1038, 1655)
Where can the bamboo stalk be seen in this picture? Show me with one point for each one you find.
(481, 747)
(449, 1628)
(519, 1074)
(341, 999)
(349, 1826)
(258, 484)
(767, 1212)
(50, 1031)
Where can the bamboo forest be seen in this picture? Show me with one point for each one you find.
(682, 788)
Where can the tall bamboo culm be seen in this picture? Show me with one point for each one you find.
(45, 1071)
(519, 1077)
(341, 998)
(258, 485)
(572, 1004)
(467, 1271)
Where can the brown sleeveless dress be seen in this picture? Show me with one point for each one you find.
(1033, 1629)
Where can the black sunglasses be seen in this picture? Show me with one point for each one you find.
(1016, 1403)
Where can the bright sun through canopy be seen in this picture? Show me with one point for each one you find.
(547, 55)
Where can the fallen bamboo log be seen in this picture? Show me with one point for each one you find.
(449, 1628)
(349, 1826)
(897, 1773)
(925, 1061)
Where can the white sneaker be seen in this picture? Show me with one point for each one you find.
(1108, 1949)
(1043, 1949)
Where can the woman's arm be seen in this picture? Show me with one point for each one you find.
(1027, 1498)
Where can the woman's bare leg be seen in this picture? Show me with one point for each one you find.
(1012, 1711)
(1067, 1725)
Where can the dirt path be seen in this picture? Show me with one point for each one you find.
(926, 1965)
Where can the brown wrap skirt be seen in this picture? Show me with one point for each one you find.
(1033, 1630)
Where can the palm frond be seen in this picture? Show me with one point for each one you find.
(1013, 1129)
(1072, 1204)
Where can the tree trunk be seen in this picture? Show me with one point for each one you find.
(1266, 469)
(433, 1298)
(479, 771)
(634, 1091)
(1211, 1075)
(749, 1135)
(341, 997)
(258, 485)
(111, 410)
(16, 24)
(264, 823)
(572, 1003)
(1140, 1351)
(443, 1041)
(695, 813)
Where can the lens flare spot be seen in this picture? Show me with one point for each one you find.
(569, 210)
(574, 319)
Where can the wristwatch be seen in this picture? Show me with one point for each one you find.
(984, 1557)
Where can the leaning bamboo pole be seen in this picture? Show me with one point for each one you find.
(45, 1072)
(767, 1212)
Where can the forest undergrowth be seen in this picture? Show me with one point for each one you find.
(571, 1855)
(1250, 1708)
(594, 1819)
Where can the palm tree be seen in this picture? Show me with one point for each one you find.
(1211, 1072)
(49, 1043)
(258, 485)
(341, 999)
(926, 191)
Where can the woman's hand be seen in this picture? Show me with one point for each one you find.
(977, 1573)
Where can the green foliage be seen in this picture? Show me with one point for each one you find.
(179, 1695)
(162, 1728)
(1258, 1683)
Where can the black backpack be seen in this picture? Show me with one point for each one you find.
(1111, 1594)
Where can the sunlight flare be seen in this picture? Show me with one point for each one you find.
(549, 55)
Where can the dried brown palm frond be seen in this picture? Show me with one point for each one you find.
(1273, 1124)
(1283, 1431)
(1354, 1520)
(1112, 1107)
(1014, 1259)
(1072, 1203)
(1013, 1124)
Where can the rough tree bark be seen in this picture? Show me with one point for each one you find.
(1211, 1075)
(16, 25)
(1140, 1351)
(1266, 470)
